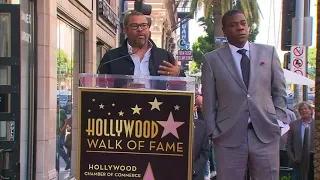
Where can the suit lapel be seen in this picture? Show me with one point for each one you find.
(152, 64)
(226, 57)
(254, 54)
(312, 133)
(299, 131)
(124, 51)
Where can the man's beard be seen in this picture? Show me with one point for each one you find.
(140, 42)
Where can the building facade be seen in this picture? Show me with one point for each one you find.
(59, 40)
(50, 42)
(164, 19)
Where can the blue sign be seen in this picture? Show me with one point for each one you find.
(221, 39)
(184, 43)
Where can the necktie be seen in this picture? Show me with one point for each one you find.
(245, 67)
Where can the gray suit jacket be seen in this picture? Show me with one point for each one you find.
(228, 103)
(283, 140)
(294, 141)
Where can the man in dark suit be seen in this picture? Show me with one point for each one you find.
(201, 150)
(296, 137)
(140, 54)
(244, 94)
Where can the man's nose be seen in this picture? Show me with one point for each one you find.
(139, 28)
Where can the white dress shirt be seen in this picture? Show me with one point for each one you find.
(237, 58)
(141, 67)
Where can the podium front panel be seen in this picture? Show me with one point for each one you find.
(135, 134)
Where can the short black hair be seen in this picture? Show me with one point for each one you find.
(228, 14)
(131, 13)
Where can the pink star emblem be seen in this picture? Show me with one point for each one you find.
(148, 175)
(170, 126)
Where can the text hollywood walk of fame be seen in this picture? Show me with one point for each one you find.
(139, 124)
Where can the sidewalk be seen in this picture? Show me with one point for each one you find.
(63, 174)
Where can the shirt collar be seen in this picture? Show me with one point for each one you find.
(308, 122)
(130, 47)
(235, 49)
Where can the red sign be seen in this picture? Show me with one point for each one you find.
(185, 55)
(299, 72)
(298, 51)
(297, 63)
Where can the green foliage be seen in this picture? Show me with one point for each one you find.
(208, 27)
(193, 67)
(205, 43)
(312, 62)
(64, 63)
(253, 32)
(201, 46)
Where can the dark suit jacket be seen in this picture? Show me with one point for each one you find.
(283, 140)
(201, 150)
(125, 65)
(294, 142)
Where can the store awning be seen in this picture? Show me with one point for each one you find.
(294, 78)
(291, 78)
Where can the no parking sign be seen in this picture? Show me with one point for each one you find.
(298, 60)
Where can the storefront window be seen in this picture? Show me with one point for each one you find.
(69, 63)
(5, 35)
(101, 50)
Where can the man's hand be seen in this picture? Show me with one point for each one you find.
(169, 69)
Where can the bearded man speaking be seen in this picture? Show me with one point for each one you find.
(138, 55)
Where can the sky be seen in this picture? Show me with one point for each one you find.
(270, 28)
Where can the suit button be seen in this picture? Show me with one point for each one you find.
(247, 110)
(248, 95)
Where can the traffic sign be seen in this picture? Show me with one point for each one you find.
(298, 60)
(299, 72)
(298, 51)
(297, 63)
(221, 39)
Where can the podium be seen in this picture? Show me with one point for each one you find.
(135, 127)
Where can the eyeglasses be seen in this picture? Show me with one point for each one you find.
(135, 26)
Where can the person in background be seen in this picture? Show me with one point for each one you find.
(283, 140)
(296, 138)
(199, 106)
(201, 149)
(60, 132)
(67, 129)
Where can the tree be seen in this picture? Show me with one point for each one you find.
(64, 64)
(215, 9)
(312, 62)
(193, 67)
(201, 46)
(317, 103)
(206, 43)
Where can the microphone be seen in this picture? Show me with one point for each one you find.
(112, 60)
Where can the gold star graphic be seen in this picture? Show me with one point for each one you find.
(113, 104)
(136, 109)
(176, 107)
(155, 104)
(89, 110)
(109, 113)
(121, 113)
(93, 100)
(101, 106)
